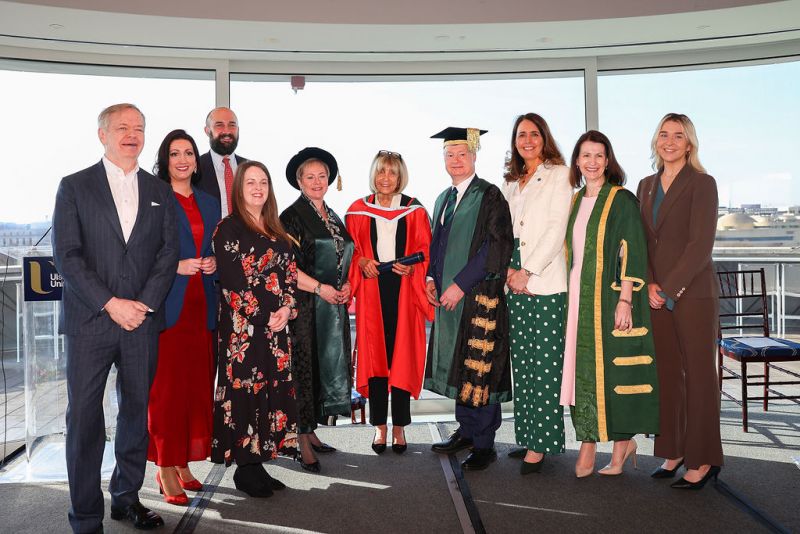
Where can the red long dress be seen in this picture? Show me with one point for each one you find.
(179, 413)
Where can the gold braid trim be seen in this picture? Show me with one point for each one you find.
(483, 345)
(486, 324)
(466, 392)
(486, 302)
(478, 366)
(480, 396)
(635, 332)
(599, 369)
(632, 360)
(633, 390)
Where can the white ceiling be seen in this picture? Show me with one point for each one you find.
(401, 30)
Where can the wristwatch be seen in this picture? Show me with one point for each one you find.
(527, 272)
(318, 288)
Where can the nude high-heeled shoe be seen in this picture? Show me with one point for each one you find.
(583, 472)
(613, 470)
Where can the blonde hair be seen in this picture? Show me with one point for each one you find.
(386, 159)
(692, 158)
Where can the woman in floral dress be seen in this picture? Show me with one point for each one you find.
(254, 405)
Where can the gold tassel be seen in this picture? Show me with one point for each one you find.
(473, 139)
(339, 182)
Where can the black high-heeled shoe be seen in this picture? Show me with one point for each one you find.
(323, 448)
(400, 448)
(685, 484)
(250, 479)
(313, 467)
(666, 473)
(378, 447)
(531, 467)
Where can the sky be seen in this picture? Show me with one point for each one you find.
(746, 120)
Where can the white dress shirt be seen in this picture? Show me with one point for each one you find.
(219, 167)
(387, 234)
(125, 190)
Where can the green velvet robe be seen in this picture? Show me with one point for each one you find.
(616, 386)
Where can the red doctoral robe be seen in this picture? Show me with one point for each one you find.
(408, 359)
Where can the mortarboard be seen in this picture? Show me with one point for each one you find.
(458, 136)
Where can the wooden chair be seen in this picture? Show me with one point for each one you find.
(743, 308)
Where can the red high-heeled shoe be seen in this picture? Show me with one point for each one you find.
(192, 485)
(180, 499)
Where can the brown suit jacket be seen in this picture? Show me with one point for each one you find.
(679, 244)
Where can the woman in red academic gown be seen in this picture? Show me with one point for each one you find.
(391, 307)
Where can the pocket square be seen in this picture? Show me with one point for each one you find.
(154, 204)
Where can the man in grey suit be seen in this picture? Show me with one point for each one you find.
(115, 243)
(218, 165)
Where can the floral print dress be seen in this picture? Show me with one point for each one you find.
(255, 413)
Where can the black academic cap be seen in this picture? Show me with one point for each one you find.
(308, 153)
(456, 136)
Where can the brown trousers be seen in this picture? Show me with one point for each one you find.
(685, 341)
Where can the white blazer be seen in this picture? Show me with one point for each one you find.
(543, 227)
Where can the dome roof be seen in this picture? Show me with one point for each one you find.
(735, 221)
(762, 221)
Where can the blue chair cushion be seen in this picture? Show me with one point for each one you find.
(760, 347)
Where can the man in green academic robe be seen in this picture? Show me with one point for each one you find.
(468, 353)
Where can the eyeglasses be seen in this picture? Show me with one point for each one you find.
(388, 154)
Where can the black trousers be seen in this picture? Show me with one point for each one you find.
(379, 403)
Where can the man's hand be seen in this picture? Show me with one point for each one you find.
(128, 314)
(278, 319)
(190, 266)
(451, 296)
(430, 292)
(656, 300)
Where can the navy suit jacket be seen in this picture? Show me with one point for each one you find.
(208, 177)
(96, 262)
(209, 210)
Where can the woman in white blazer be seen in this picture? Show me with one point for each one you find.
(539, 194)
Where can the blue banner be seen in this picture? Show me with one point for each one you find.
(41, 281)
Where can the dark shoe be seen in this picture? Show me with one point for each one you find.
(517, 452)
(452, 444)
(142, 518)
(313, 467)
(275, 484)
(378, 447)
(685, 484)
(666, 473)
(323, 447)
(479, 459)
(400, 448)
(531, 467)
(250, 479)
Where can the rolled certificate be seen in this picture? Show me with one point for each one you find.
(411, 259)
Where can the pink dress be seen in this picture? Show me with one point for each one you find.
(573, 294)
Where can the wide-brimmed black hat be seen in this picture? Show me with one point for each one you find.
(311, 152)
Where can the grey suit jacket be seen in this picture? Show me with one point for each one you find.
(96, 263)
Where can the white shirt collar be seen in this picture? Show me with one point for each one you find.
(116, 171)
(460, 188)
(217, 159)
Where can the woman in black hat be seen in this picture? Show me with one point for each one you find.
(323, 250)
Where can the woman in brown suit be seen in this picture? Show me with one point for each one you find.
(679, 211)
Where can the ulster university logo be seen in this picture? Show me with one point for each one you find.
(41, 280)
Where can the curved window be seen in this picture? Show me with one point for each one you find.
(354, 120)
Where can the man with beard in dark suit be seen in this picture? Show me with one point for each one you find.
(218, 165)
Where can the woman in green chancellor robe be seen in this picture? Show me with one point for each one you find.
(321, 332)
(609, 378)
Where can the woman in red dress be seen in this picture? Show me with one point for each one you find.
(179, 413)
